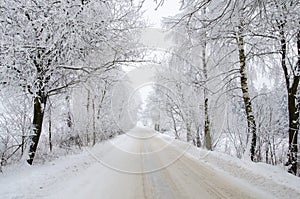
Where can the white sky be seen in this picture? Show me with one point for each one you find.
(169, 8)
(142, 78)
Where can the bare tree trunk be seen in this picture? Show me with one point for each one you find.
(188, 133)
(38, 115)
(272, 153)
(198, 140)
(50, 129)
(267, 152)
(207, 135)
(94, 122)
(246, 97)
(258, 153)
(23, 145)
(174, 125)
(23, 131)
(156, 127)
(208, 144)
(292, 84)
(88, 111)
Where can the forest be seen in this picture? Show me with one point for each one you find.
(229, 83)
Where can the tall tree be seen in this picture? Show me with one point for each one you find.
(44, 45)
(245, 90)
(284, 12)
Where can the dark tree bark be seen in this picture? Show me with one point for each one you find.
(38, 115)
(88, 111)
(292, 84)
(94, 122)
(156, 127)
(198, 140)
(245, 91)
(207, 135)
(174, 125)
(50, 129)
(188, 132)
(40, 101)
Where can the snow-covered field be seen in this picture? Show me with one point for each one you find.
(145, 164)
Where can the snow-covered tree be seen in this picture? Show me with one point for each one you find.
(45, 46)
(246, 38)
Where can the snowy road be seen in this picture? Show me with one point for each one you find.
(143, 165)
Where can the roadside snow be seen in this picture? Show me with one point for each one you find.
(53, 178)
(268, 178)
(36, 181)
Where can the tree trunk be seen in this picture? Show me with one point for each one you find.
(23, 132)
(198, 140)
(50, 129)
(293, 132)
(258, 153)
(188, 132)
(207, 135)
(246, 97)
(38, 115)
(208, 144)
(156, 127)
(292, 84)
(22, 145)
(88, 122)
(174, 125)
(267, 152)
(94, 122)
(272, 153)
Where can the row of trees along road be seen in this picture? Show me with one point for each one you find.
(46, 48)
(56, 51)
(222, 48)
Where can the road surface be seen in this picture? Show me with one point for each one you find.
(143, 165)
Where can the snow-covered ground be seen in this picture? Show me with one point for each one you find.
(145, 164)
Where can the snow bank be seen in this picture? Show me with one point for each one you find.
(271, 179)
(44, 181)
(38, 181)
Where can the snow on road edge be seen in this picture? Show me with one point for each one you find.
(23, 181)
(39, 180)
(268, 178)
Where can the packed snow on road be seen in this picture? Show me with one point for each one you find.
(145, 164)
